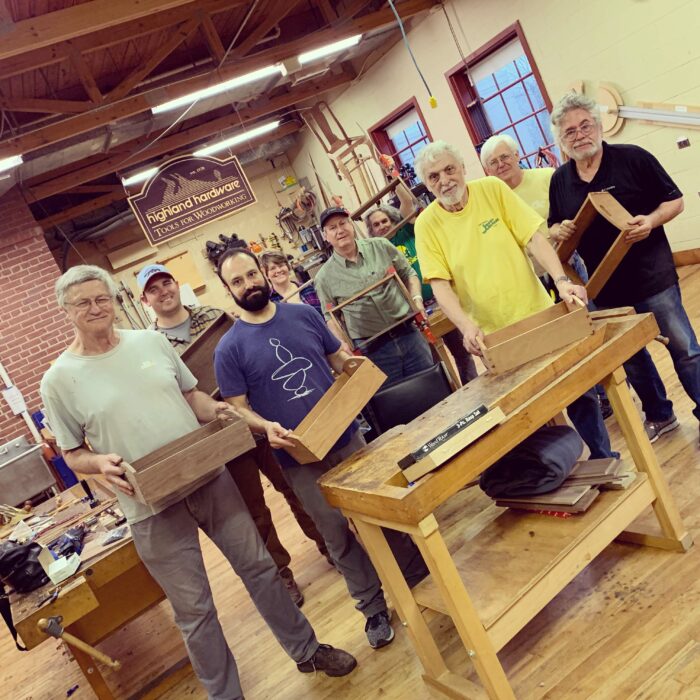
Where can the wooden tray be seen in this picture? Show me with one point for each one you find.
(336, 410)
(609, 208)
(534, 336)
(199, 356)
(159, 477)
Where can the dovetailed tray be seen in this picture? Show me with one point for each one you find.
(169, 472)
(534, 336)
(337, 409)
(199, 356)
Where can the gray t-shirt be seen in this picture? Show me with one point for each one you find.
(128, 401)
(181, 331)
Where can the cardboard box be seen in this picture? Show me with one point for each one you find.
(199, 356)
(163, 475)
(534, 336)
(336, 410)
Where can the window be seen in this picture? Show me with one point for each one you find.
(402, 134)
(501, 92)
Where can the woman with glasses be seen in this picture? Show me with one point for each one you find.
(283, 288)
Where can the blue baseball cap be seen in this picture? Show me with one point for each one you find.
(151, 271)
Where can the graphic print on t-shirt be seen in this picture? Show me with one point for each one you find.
(292, 371)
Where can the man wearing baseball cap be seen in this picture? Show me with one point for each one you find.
(354, 265)
(182, 325)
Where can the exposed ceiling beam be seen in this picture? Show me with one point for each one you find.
(44, 106)
(53, 183)
(80, 124)
(329, 14)
(177, 36)
(92, 189)
(116, 193)
(78, 20)
(216, 48)
(87, 80)
(263, 29)
(36, 57)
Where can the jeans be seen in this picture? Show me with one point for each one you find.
(667, 307)
(168, 544)
(587, 418)
(400, 354)
(464, 360)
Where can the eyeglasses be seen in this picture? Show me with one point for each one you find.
(586, 129)
(505, 158)
(104, 302)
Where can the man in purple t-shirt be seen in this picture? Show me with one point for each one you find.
(273, 366)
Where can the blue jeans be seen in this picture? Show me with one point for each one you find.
(587, 418)
(401, 354)
(667, 307)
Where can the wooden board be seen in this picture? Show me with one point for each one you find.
(130, 254)
(199, 355)
(534, 336)
(161, 476)
(605, 205)
(184, 269)
(336, 410)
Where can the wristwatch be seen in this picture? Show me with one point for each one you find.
(563, 278)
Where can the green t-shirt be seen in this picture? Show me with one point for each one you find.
(405, 240)
(128, 401)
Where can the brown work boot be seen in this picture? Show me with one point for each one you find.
(333, 662)
(291, 585)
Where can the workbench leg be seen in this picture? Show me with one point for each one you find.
(88, 666)
(450, 365)
(464, 616)
(395, 584)
(675, 534)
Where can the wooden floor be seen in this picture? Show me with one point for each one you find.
(627, 627)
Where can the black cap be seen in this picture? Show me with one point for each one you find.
(332, 211)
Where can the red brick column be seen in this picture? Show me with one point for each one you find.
(33, 330)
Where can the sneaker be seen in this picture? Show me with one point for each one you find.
(333, 662)
(378, 630)
(291, 585)
(656, 429)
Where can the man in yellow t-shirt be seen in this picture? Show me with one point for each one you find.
(471, 244)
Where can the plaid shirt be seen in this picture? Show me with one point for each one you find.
(307, 295)
(201, 318)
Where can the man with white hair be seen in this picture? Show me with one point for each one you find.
(646, 278)
(471, 244)
(128, 393)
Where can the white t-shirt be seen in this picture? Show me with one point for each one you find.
(128, 401)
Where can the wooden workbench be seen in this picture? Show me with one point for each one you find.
(503, 569)
(111, 588)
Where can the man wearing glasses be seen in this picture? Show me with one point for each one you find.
(646, 278)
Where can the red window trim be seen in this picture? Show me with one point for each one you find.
(463, 91)
(377, 131)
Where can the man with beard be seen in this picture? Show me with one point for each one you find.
(646, 278)
(471, 245)
(182, 325)
(274, 366)
(127, 393)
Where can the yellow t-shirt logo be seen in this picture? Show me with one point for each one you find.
(489, 223)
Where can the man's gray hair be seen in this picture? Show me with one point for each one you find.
(571, 101)
(392, 212)
(78, 275)
(431, 153)
(493, 142)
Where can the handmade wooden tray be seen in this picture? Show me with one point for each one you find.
(159, 477)
(336, 410)
(199, 356)
(610, 209)
(534, 336)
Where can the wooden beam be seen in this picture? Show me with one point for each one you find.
(92, 189)
(50, 28)
(44, 106)
(80, 124)
(40, 57)
(263, 29)
(87, 79)
(52, 183)
(177, 36)
(115, 195)
(329, 14)
(216, 48)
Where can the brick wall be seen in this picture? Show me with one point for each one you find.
(33, 330)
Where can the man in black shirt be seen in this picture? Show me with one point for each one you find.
(646, 278)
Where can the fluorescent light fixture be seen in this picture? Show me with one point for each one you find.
(335, 47)
(185, 100)
(238, 138)
(11, 162)
(139, 177)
